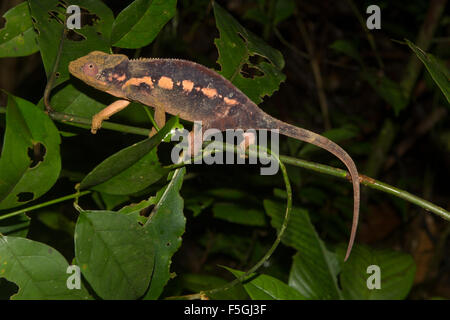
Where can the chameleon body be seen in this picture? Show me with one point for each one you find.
(194, 93)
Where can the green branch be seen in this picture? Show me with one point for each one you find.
(44, 204)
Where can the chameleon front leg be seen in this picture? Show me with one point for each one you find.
(160, 118)
(113, 108)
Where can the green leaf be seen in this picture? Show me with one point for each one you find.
(397, 272)
(348, 48)
(16, 226)
(314, 270)
(49, 19)
(236, 45)
(387, 89)
(166, 225)
(138, 24)
(69, 99)
(17, 38)
(56, 220)
(131, 169)
(265, 287)
(38, 270)
(30, 135)
(198, 203)
(237, 214)
(115, 254)
(437, 70)
(283, 10)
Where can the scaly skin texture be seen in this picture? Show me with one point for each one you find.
(196, 93)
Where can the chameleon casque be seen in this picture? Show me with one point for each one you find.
(194, 93)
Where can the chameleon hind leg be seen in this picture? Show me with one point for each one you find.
(113, 108)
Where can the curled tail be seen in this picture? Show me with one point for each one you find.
(324, 143)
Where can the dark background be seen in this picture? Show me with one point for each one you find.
(416, 158)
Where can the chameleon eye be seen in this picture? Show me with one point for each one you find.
(90, 69)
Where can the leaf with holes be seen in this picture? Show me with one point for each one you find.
(115, 254)
(30, 162)
(17, 38)
(131, 169)
(315, 269)
(236, 46)
(49, 18)
(265, 287)
(39, 271)
(394, 270)
(138, 24)
(166, 225)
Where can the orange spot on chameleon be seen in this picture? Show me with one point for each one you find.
(165, 83)
(209, 92)
(230, 102)
(122, 77)
(188, 85)
(138, 81)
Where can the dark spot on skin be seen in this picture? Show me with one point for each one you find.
(25, 196)
(57, 74)
(36, 154)
(232, 111)
(168, 244)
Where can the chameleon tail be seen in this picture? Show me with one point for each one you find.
(324, 143)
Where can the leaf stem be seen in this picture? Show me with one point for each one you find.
(313, 166)
(44, 204)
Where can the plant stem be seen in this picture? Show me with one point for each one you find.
(313, 166)
(86, 123)
(45, 204)
(343, 174)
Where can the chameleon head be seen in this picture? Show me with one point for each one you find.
(90, 69)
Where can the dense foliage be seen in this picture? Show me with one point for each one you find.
(139, 228)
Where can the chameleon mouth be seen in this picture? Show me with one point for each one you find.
(73, 68)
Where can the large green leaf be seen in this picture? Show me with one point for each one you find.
(131, 169)
(397, 271)
(265, 287)
(115, 254)
(49, 19)
(236, 45)
(38, 270)
(438, 70)
(18, 38)
(30, 162)
(138, 24)
(238, 214)
(166, 225)
(69, 99)
(314, 270)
